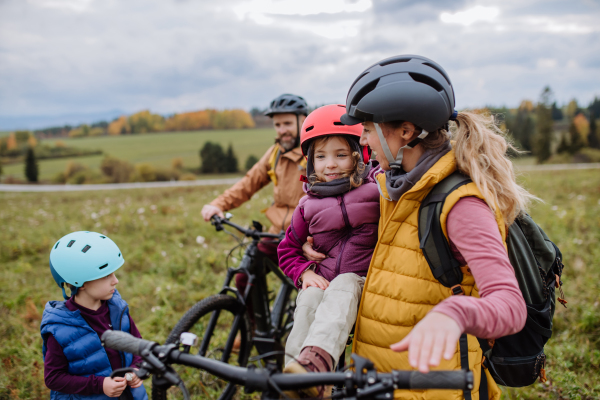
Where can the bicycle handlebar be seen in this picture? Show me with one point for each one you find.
(254, 379)
(248, 232)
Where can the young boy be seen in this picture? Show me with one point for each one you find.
(76, 365)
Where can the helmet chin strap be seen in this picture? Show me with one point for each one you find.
(396, 163)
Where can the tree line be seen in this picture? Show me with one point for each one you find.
(146, 122)
(552, 133)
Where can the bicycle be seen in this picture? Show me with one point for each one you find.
(218, 319)
(362, 384)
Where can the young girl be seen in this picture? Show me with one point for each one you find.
(76, 365)
(340, 212)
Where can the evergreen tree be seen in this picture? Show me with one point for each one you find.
(231, 161)
(594, 107)
(250, 161)
(212, 158)
(31, 166)
(563, 146)
(557, 114)
(593, 139)
(543, 137)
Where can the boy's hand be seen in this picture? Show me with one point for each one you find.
(135, 381)
(113, 387)
(310, 278)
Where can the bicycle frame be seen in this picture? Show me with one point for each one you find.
(271, 325)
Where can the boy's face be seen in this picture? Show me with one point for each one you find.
(101, 289)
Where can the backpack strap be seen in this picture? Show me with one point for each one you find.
(273, 160)
(436, 249)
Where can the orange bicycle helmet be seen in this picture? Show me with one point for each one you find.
(325, 121)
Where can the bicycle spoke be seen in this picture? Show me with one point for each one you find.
(231, 338)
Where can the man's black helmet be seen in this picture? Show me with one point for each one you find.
(401, 88)
(287, 103)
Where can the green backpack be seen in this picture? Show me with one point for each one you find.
(515, 360)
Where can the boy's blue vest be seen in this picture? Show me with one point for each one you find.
(82, 346)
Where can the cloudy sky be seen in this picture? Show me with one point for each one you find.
(83, 60)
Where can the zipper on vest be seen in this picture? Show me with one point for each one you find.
(345, 240)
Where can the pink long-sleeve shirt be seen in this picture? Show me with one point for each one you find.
(475, 240)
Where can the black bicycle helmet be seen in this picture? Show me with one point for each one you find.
(287, 103)
(401, 88)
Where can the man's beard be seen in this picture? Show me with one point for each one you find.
(287, 144)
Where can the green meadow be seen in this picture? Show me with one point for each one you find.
(168, 268)
(158, 149)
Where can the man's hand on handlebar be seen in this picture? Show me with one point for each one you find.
(209, 210)
(309, 253)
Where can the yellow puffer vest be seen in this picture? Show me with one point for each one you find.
(400, 288)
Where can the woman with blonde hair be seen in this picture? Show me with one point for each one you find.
(407, 318)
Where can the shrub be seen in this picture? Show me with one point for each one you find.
(72, 169)
(215, 160)
(145, 172)
(59, 178)
(250, 161)
(188, 176)
(177, 163)
(117, 170)
(86, 176)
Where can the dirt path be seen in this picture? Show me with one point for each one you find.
(228, 181)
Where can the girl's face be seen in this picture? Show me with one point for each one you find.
(332, 159)
(101, 289)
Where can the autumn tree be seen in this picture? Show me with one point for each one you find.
(119, 126)
(11, 142)
(542, 144)
(31, 166)
(145, 121)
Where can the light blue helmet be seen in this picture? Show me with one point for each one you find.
(81, 257)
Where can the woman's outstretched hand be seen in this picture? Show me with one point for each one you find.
(309, 253)
(434, 335)
(310, 278)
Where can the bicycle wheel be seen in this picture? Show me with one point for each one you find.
(212, 319)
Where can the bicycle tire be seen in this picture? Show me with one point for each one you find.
(203, 308)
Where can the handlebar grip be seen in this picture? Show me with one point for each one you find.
(123, 341)
(462, 380)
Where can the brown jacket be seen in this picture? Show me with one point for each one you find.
(286, 193)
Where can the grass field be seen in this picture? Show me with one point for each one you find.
(166, 270)
(157, 149)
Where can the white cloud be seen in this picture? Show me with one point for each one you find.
(471, 15)
(305, 7)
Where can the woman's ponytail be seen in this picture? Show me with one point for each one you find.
(480, 151)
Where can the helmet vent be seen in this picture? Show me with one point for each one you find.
(57, 243)
(310, 128)
(338, 123)
(71, 243)
(104, 266)
(364, 91)
(291, 102)
(103, 237)
(427, 81)
(357, 79)
(86, 248)
(395, 61)
(438, 70)
(119, 254)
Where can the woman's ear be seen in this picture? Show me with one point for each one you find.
(407, 131)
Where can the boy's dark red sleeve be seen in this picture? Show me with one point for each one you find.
(57, 377)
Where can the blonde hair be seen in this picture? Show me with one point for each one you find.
(354, 173)
(480, 152)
